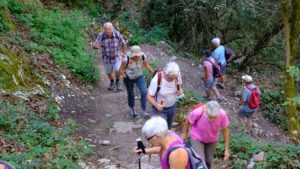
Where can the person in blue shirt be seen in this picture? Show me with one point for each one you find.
(219, 55)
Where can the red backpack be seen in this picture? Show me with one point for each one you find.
(254, 98)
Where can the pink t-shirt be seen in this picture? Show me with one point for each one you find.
(210, 67)
(205, 130)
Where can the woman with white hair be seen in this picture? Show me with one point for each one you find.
(162, 140)
(164, 90)
(206, 122)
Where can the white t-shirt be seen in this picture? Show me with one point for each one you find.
(167, 92)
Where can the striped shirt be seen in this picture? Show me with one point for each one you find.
(111, 46)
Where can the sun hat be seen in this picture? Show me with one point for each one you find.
(247, 78)
(135, 51)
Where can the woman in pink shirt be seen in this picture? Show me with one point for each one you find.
(162, 140)
(206, 122)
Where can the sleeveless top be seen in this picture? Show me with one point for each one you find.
(134, 69)
(164, 160)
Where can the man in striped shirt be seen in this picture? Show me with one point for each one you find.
(113, 50)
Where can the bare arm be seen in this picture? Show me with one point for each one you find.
(226, 135)
(206, 73)
(122, 68)
(178, 159)
(147, 66)
(185, 129)
(123, 51)
(153, 102)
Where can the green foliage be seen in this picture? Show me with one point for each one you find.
(140, 35)
(62, 34)
(276, 156)
(30, 141)
(294, 72)
(273, 109)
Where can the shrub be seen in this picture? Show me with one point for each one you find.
(62, 34)
(30, 141)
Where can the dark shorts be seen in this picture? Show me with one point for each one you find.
(222, 68)
(245, 114)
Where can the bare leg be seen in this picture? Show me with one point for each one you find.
(216, 92)
(117, 75)
(222, 79)
(110, 76)
(249, 124)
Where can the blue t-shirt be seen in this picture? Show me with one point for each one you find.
(219, 55)
(246, 98)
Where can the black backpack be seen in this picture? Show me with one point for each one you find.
(228, 53)
(216, 68)
(195, 160)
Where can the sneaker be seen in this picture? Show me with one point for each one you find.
(111, 86)
(133, 114)
(144, 114)
(118, 86)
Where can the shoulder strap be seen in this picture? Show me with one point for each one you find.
(127, 61)
(143, 58)
(177, 84)
(175, 147)
(251, 89)
(159, 74)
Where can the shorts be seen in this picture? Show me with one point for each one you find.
(210, 84)
(111, 68)
(245, 114)
(222, 68)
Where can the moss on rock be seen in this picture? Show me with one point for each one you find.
(15, 72)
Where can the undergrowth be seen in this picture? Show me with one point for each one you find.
(30, 140)
(60, 33)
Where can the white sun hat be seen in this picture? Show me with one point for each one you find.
(247, 78)
(135, 51)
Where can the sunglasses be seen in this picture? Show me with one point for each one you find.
(149, 138)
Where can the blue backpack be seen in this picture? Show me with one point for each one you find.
(195, 160)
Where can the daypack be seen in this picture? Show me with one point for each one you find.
(228, 53)
(143, 58)
(216, 68)
(254, 98)
(159, 74)
(195, 160)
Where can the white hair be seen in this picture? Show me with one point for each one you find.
(172, 68)
(213, 108)
(216, 41)
(155, 125)
(108, 24)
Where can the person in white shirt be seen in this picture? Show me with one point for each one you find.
(164, 90)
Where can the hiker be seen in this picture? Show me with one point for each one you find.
(132, 66)
(162, 140)
(163, 91)
(206, 120)
(113, 50)
(209, 80)
(219, 55)
(247, 109)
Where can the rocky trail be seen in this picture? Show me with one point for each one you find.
(104, 115)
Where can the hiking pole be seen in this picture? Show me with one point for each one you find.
(159, 111)
(140, 146)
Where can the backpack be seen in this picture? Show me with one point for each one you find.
(254, 98)
(195, 160)
(216, 68)
(159, 74)
(228, 53)
(143, 58)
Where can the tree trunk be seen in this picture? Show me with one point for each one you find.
(291, 32)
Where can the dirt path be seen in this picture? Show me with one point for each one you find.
(105, 115)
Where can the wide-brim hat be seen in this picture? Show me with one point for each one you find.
(135, 51)
(247, 78)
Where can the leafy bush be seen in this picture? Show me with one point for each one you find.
(62, 34)
(28, 140)
(273, 109)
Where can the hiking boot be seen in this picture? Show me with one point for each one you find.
(133, 114)
(118, 86)
(111, 86)
(144, 114)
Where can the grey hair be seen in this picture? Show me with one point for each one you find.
(107, 24)
(172, 68)
(155, 126)
(213, 108)
(216, 41)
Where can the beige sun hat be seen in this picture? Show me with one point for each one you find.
(247, 78)
(135, 51)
